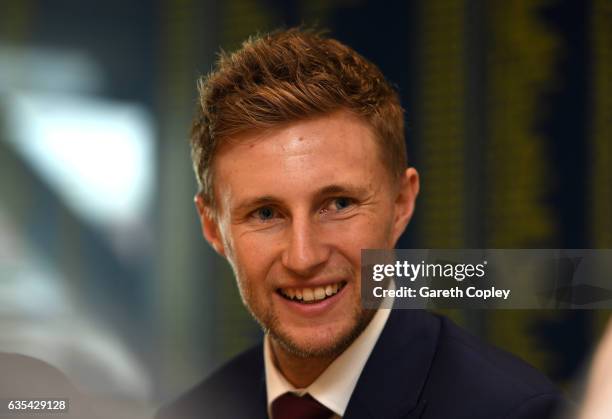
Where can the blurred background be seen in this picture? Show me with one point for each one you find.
(103, 271)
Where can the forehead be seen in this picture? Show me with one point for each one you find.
(299, 158)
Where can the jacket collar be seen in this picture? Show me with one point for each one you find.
(392, 380)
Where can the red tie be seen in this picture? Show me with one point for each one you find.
(291, 406)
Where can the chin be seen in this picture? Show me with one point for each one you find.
(320, 342)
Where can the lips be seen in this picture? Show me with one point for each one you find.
(311, 295)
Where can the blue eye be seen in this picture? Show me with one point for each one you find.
(342, 203)
(265, 213)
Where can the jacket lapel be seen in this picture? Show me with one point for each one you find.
(392, 380)
(249, 382)
(259, 402)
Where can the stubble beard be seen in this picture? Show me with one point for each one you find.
(361, 319)
(271, 324)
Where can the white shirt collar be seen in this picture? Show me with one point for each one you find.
(333, 388)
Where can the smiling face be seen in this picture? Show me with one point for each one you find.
(295, 207)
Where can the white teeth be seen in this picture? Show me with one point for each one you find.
(307, 294)
(312, 294)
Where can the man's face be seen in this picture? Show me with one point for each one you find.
(295, 207)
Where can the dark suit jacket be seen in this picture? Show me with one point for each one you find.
(423, 366)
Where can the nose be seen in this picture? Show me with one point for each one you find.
(306, 251)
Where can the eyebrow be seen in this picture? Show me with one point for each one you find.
(336, 189)
(342, 189)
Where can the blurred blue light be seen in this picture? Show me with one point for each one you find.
(96, 154)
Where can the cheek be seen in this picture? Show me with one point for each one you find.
(364, 232)
(254, 257)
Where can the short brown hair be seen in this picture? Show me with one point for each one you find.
(287, 76)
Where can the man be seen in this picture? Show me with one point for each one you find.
(298, 146)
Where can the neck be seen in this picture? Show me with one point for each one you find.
(299, 371)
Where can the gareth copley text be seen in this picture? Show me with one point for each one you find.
(456, 292)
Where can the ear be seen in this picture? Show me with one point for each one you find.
(407, 192)
(210, 227)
